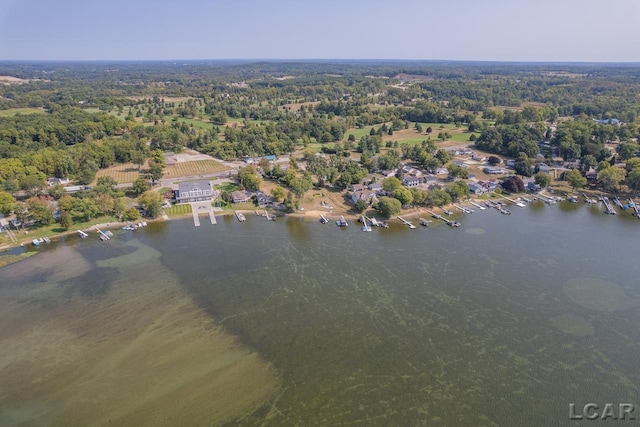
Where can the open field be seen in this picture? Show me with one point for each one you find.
(123, 173)
(196, 123)
(10, 80)
(296, 106)
(197, 167)
(13, 111)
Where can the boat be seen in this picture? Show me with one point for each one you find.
(323, 220)
(46, 240)
(342, 222)
(35, 242)
(573, 199)
(453, 224)
(425, 222)
(448, 212)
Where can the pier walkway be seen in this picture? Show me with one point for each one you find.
(198, 208)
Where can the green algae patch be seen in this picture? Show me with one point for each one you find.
(573, 325)
(12, 259)
(599, 295)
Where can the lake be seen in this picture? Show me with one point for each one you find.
(503, 321)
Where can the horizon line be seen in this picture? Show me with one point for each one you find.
(302, 60)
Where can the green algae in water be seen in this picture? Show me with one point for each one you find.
(598, 294)
(573, 325)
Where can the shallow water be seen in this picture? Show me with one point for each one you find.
(506, 323)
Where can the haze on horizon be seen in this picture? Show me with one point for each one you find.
(476, 30)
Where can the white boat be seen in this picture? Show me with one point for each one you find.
(342, 222)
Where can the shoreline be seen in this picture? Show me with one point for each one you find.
(312, 213)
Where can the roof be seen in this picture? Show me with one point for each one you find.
(185, 187)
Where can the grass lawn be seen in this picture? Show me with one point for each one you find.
(196, 123)
(177, 210)
(53, 229)
(13, 111)
(227, 186)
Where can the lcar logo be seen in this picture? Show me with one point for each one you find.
(607, 411)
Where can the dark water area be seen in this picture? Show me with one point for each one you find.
(503, 321)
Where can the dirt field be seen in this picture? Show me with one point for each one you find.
(9, 80)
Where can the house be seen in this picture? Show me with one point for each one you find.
(366, 195)
(490, 186)
(376, 187)
(442, 171)
(430, 179)
(194, 191)
(56, 181)
(493, 171)
(270, 157)
(411, 181)
(478, 157)
(533, 187)
(240, 196)
(389, 173)
(544, 168)
(511, 163)
(263, 200)
(357, 187)
(476, 188)
(591, 175)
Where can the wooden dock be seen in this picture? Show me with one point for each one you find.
(240, 216)
(404, 221)
(589, 199)
(482, 208)
(515, 202)
(463, 209)
(323, 219)
(448, 222)
(608, 207)
(636, 209)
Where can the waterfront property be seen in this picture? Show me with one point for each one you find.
(194, 191)
(240, 196)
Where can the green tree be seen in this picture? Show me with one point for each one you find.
(611, 177)
(403, 195)
(39, 210)
(278, 193)
(360, 206)
(7, 203)
(458, 190)
(542, 179)
(151, 201)
(85, 208)
(419, 196)
(106, 185)
(391, 184)
(140, 185)
(248, 178)
(633, 179)
(437, 197)
(66, 221)
(57, 191)
(575, 179)
(132, 214)
(388, 206)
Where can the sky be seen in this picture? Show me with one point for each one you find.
(477, 30)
